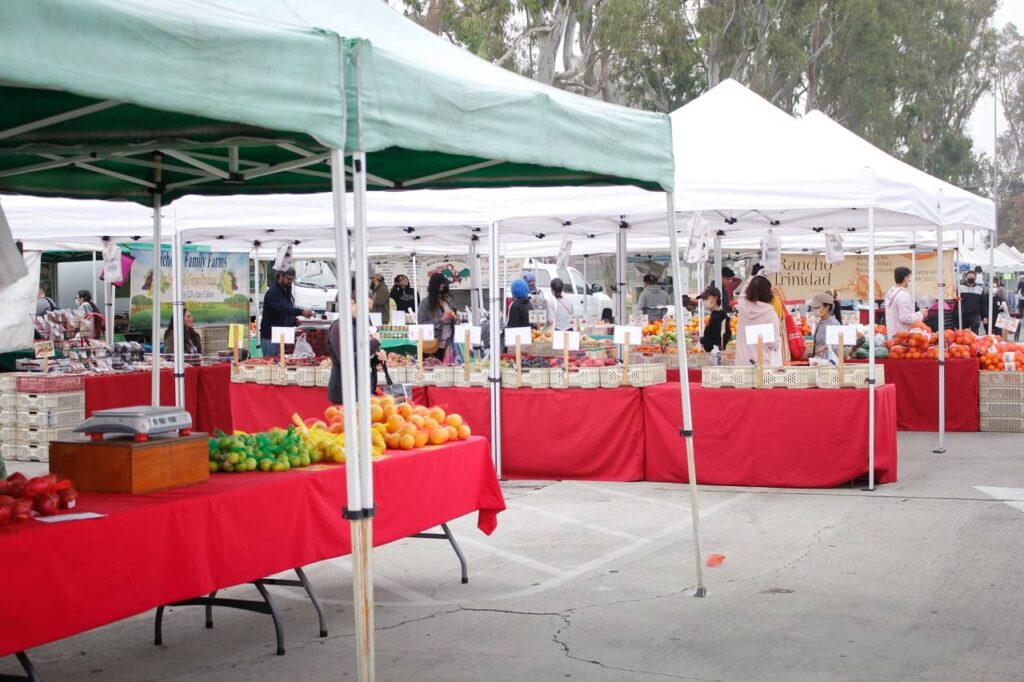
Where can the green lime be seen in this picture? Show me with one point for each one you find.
(250, 463)
(233, 458)
(214, 467)
(265, 464)
(277, 466)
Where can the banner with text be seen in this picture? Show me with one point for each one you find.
(804, 276)
(214, 287)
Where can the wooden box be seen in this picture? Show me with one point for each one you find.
(124, 466)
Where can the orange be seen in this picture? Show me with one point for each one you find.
(389, 411)
(392, 440)
(408, 428)
(420, 411)
(464, 432)
(417, 421)
(421, 438)
(333, 413)
(439, 436)
(437, 414)
(454, 420)
(376, 414)
(430, 424)
(404, 410)
(394, 423)
(337, 427)
(407, 442)
(453, 433)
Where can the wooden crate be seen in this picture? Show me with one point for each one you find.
(124, 466)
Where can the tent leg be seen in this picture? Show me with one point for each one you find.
(474, 280)
(684, 387)
(108, 305)
(940, 287)
(497, 309)
(155, 290)
(178, 317)
(415, 288)
(362, 556)
(871, 348)
(620, 274)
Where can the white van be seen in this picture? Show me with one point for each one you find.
(577, 289)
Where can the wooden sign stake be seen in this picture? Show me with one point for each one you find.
(419, 358)
(280, 348)
(842, 362)
(760, 361)
(565, 358)
(465, 356)
(519, 363)
(625, 360)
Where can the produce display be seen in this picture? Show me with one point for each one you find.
(22, 498)
(274, 450)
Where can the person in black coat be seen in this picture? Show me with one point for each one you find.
(717, 331)
(403, 295)
(279, 310)
(377, 356)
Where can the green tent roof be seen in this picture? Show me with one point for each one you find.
(122, 99)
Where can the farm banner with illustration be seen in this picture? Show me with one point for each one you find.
(214, 286)
(804, 276)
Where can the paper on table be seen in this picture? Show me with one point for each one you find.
(70, 517)
(765, 331)
(572, 337)
(849, 333)
(287, 332)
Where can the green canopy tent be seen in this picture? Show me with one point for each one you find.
(148, 101)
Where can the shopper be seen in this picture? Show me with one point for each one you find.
(537, 298)
(381, 297)
(973, 302)
(653, 299)
(730, 282)
(563, 312)
(1020, 306)
(89, 313)
(193, 345)
(377, 356)
(44, 303)
(439, 310)
(716, 332)
(899, 304)
(756, 308)
(824, 305)
(279, 310)
(519, 311)
(403, 295)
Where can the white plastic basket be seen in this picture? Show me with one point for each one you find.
(583, 377)
(1002, 410)
(533, 377)
(1003, 424)
(299, 376)
(855, 376)
(437, 376)
(38, 435)
(1005, 378)
(638, 375)
(1002, 394)
(10, 435)
(477, 377)
(267, 375)
(51, 419)
(8, 416)
(323, 375)
(728, 377)
(244, 374)
(51, 401)
(789, 377)
(9, 451)
(33, 452)
(399, 375)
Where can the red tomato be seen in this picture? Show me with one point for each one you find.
(22, 510)
(46, 504)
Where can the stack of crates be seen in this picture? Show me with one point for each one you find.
(47, 408)
(1002, 401)
(9, 437)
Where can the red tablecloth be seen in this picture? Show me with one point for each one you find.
(257, 407)
(62, 579)
(808, 438)
(571, 433)
(213, 407)
(917, 394)
(693, 373)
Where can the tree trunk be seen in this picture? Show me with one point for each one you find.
(434, 21)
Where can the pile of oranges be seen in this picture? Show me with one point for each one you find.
(406, 426)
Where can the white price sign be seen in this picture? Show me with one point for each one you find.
(634, 334)
(376, 319)
(565, 340)
(282, 334)
(524, 335)
(849, 333)
(766, 332)
(538, 316)
(460, 333)
(1007, 323)
(398, 317)
(420, 332)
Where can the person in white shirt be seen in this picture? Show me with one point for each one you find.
(899, 304)
(562, 312)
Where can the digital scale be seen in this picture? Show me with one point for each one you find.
(139, 422)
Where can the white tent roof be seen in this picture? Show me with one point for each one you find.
(1003, 263)
(1012, 254)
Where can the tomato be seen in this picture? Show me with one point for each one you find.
(22, 510)
(16, 477)
(46, 504)
(6, 501)
(5, 515)
(37, 486)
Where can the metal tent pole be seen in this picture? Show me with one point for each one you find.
(586, 294)
(362, 555)
(94, 277)
(496, 312)
(717, 273)
(415, 290)
(474, 280)
(684, 388)
(178, 319)
(871, 345)
(994, 237)
(258, 304)
(913, 267)
(155, 288)
(620, 273)
(940, 294)
(108, 304)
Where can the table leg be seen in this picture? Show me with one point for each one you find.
(450, 537)
(26, 665)
(304, 583)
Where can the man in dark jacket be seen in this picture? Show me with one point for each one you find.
(279, 310)
(973, 302)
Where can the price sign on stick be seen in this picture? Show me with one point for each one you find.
(398, 317)
(565, 341)
(845, 335)
(376, 319)
(1007, 323)
(236, 336)
(420, 332)
(462, 329)
(284, 336)
(521, 335)
(630, 336)
(764, 332)
(44, 350)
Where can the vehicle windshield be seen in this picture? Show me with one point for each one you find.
(325, 277)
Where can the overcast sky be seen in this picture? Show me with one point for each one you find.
(981, 121)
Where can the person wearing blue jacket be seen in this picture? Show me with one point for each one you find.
(279, 310)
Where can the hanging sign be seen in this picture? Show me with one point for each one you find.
(805, 276)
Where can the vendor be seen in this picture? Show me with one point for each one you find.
(377, 356)
(403, 295)
(824, 305)
(381, 297)
(538, 300)
(653, 299)
(279, 309)
(192, 345)
(716, 332)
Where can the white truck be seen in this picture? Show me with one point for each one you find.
(577, 290)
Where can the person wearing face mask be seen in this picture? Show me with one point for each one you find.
(279, 310)
(899, 304)
(716, 332)
(403, 295)
(973, 302)
(439, 310)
